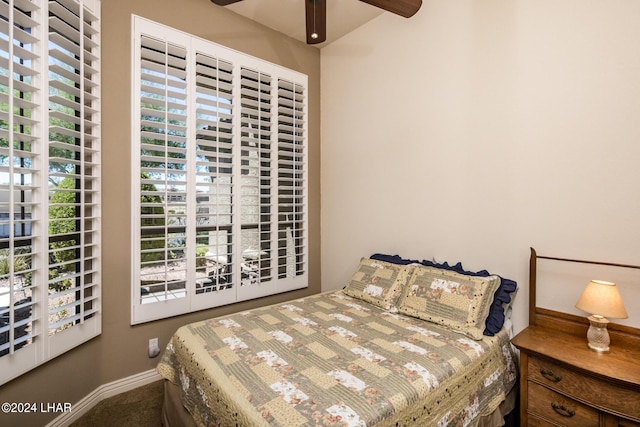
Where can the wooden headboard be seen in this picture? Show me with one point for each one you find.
(567, 322)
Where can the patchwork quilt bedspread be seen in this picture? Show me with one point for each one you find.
(330, 359)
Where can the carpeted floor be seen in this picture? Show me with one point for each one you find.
(140, 407)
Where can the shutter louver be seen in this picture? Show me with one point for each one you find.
(291, 180)
(163, 166)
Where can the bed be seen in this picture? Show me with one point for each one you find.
(404, 343)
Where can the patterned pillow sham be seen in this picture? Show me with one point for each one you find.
(502, 298)
(450, 299)
(378, 282)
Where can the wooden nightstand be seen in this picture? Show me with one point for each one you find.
(563, 382)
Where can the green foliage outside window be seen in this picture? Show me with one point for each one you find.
(62, 221)
(151, 215)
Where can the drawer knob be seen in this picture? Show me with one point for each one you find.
(550, 375)
(563, 410)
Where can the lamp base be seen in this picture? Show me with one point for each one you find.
(597, 334)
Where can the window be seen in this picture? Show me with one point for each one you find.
(49, 180)
(219, 152)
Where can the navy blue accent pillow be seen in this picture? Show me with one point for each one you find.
(495, 319)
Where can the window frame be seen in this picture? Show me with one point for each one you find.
(64, 263)
(194, 299)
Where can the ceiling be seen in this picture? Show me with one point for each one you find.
(288, 16)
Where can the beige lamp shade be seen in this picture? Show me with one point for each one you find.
(602, 298)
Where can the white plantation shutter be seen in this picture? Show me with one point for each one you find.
(162, 169)
(20, 147)
(215, 235)
(49, 180)
(207, 158)
(256, 186)
(74, 208)
(292, 193)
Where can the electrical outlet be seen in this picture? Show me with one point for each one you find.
(154, 348)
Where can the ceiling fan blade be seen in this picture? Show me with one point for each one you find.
(405, 8)
(316, 12)
(224, 2)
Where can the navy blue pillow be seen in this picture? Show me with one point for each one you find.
(394, 259)
(495, 319)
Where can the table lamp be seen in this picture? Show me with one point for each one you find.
(601, 299)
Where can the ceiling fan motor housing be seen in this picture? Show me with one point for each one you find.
(316, 14)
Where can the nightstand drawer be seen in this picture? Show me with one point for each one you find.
(596, 392)
(559, 409)
(533, 421)
(621, 422)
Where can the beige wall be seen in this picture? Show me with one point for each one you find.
(121, 349)
(477, 129)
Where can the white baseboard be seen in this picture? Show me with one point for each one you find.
(104, 392)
